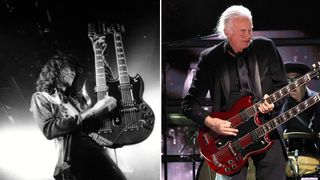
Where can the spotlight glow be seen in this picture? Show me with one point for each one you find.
(25, 154)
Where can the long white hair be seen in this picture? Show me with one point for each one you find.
(230, 13)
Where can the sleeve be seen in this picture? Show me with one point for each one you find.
(49, 123)
(199, 88)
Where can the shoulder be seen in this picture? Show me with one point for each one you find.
(40, 99)
(262, 41)
(210, 54)
(43, 96)
(212, 50)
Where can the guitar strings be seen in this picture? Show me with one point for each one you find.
(249, 112)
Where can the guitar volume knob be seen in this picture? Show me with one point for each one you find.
(145, 116)
(238, 158)
(143, 106)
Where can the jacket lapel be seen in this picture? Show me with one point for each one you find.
(224, 79)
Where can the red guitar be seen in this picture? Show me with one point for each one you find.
(244, 110)
(231, 157)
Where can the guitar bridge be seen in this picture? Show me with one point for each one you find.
(215, 161)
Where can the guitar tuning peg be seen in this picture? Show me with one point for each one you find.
(108, 29)
(104, 30)
(122, 29)
(90, 29)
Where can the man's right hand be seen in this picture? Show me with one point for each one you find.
(220, 126)
(107, 103)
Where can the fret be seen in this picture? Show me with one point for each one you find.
(123, 69)
(100, 70)
(122, 62)
(99, 58)
(124, 79)
(100, 74)
(99, 64)
(243, 115)
(123, 73)
(259, 131)
(306, 77)
(98, 52)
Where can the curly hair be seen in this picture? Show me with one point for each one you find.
(49, 76)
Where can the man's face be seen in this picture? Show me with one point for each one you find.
(298, 93)
(239, 33)
(67, 76)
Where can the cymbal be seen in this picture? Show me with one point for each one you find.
(288, 135)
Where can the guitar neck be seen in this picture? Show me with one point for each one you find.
(101, 87)
(121, 59)
(279, 120)
(251, 111)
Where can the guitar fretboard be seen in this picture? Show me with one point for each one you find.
(101, 86)
(274, 123)
(252, 110)
(121, 59)
(99, 66)
(262, 130)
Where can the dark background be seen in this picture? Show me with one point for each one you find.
(188, 18)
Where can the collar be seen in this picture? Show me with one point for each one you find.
(228, 49)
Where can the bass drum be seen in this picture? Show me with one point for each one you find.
(204, 172)
(304, 144)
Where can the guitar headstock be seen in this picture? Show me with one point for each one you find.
(115, 28)
(97, 34)
(316, 68)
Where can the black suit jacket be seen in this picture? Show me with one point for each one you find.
(266, 70)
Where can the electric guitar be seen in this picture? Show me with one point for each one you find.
(231, 157)
(132, 121)
(241, 112)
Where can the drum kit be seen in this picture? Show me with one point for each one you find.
(303, 153)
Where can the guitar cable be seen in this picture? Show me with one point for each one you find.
(123, 130)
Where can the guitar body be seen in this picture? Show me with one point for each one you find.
(128, 123)
(132, 121)
(209, 140)
(231, 153)
(228, 154)
(216, 149)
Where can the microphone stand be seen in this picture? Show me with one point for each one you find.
(192, 139)
(296, 156)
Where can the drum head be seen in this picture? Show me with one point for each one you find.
(307, 165)
(304, 135)
(204, 172)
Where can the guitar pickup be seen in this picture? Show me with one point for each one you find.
(126, 110)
